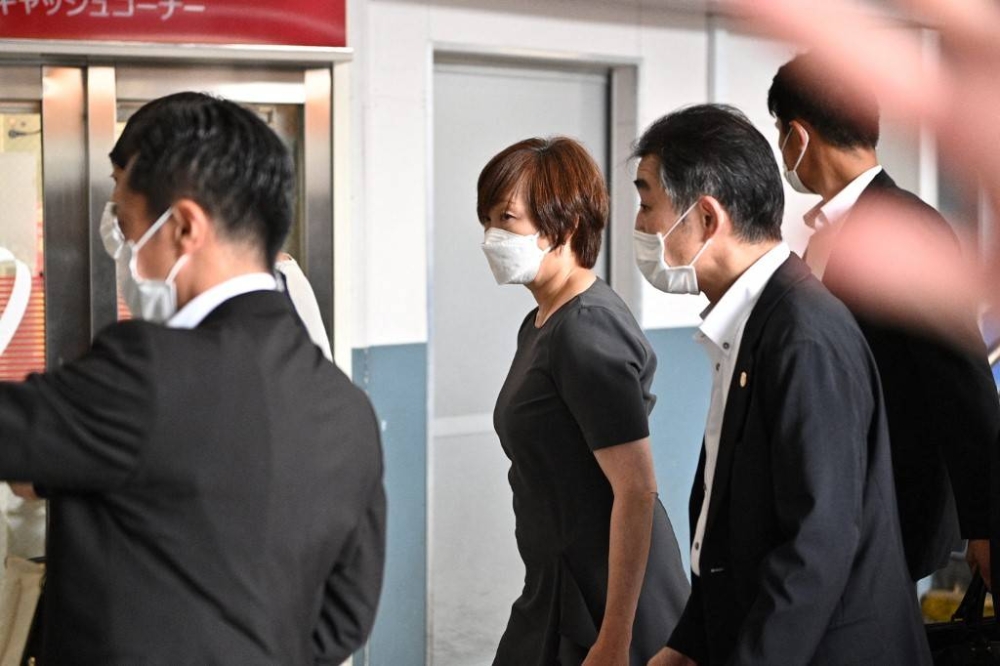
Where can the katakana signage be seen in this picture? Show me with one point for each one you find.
(285, 22)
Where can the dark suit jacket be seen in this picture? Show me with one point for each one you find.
(941, 405)
(216, 494)
(802, 561)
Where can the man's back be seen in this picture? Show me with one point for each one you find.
(940, 406)
(216, 494)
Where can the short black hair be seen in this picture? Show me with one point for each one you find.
(845, 115)
(713, 149)
(220, 155)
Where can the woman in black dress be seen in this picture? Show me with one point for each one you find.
(604, 582)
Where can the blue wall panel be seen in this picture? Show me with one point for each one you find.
(395, 378)
(682, 386)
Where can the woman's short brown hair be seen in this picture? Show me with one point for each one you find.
(562, 186)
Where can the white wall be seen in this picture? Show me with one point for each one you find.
(395, 41)
(682, 58)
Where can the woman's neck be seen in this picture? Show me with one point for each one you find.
(559, 289)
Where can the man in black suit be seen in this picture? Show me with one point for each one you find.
(796, 555)
(940, 399)
(215, 483)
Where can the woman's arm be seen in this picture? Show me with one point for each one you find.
(629, 469)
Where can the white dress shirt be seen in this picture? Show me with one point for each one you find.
(827, 217)
(720, 334)
(201, 305)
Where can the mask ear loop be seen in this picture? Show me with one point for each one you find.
(160, 221)
(17, 304)
(805, 144)
(700, 252)
(176, 268)
(133, 261)
(537, 236)
(680, 219)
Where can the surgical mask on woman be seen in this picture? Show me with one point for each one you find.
(149, 299)
(513, 258)
(649, 257)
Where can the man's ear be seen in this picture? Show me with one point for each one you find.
(193, 225)
(802, 129)
(714, 218)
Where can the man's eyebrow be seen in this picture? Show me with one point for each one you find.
(641, 184)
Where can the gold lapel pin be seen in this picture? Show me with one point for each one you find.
(743, 380)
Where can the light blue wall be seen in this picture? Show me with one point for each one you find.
(682, 386)
(395, 378)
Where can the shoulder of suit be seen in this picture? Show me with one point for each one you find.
(913, 203)
(807, 309)
(129, 330)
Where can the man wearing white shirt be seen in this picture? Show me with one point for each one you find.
(940, 400)
(795, 542)
(215, 483)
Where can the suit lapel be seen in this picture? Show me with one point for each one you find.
(741, 387)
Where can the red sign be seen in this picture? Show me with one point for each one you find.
(275, 22)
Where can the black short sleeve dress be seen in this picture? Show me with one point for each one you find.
(579, 383)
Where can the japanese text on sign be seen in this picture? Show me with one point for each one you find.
(112, 9)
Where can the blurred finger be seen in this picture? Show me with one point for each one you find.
(857, 46)
(969, 23)
(906, 273)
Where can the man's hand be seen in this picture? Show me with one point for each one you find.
(27, 491)
(978, 557)
(670, 657)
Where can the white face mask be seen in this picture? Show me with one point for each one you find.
(790, 174)
(114, 244)
(513, 258)
(649, 257)
(152, 300)
(111, 233)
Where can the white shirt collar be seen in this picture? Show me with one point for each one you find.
(722, 321)
(201, 305)
(830, 212)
